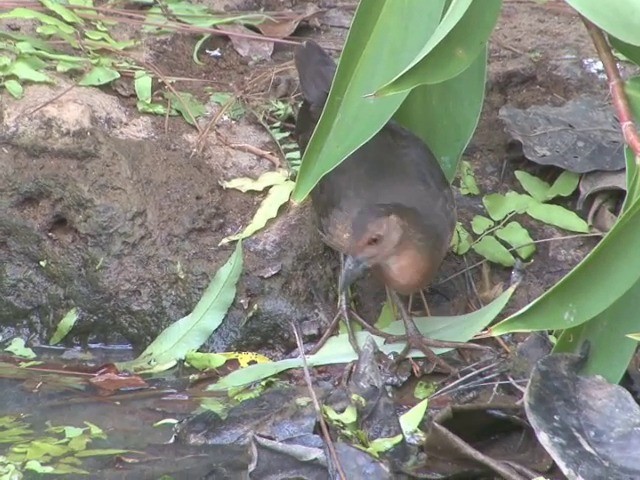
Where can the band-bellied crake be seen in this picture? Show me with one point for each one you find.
(388, 206)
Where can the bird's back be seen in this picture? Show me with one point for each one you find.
(393, 167)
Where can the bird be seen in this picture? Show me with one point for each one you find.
(387, 207)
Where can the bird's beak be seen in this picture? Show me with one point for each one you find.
(352, 269)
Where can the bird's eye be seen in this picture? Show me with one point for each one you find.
(373, 240)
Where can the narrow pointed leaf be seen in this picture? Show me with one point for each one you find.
(385, 36)
(278, 195)
(459, 39)
(190, 332)
(620, 18)
(558, 216)
(65, 326)
(611, 350)
(446, 114)
(604, 275)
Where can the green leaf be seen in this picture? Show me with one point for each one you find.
(190, 332)
(604, 275)
(142, 84)
(480, 224)
(278, 195)
(65, 326)
(5, 61)
(14, 88)
(516, 235)
(446, 114)
(267, 179)
(104, 40)
(18, 348)
(382, 444)
(99, 452)
(468, 185)
(632, 180)
(38, 449)
(348, 417)
(338, 349)
(153, 108)
(186, 105)
(410, 421)
(64, 66)
(632, 52)
(99, 75)
(196, 49)
(35, 466)
(386, 317)
(424, 389)
(28, 14)
(632, 89)
(456, 43)
(95, 431)
(564, 185)
(611, 350)
(491, 249)
(461, 240)
(534, 186)
(72, 432)
(23, 69)
(350, 118)
(62, 11)
(205, 361)
(498, 206)
(620, 18)
(558, 216)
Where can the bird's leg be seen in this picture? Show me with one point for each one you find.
(344, 311)
(424, 303)
(416, 340)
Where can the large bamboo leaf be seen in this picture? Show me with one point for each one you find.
(338, 349)
(446, 114)
(620, 18)
(385, 36)
(190, 332)
(459, 39)
(611, 350)
(603, 276)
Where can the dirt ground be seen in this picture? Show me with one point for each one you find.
(535, 58)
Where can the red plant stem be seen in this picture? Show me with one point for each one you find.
(616, 86)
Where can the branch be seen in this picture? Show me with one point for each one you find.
(616, 86)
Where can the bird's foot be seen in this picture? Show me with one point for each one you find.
(421, 343)
(415, 340)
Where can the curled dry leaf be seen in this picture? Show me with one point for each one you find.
(248, 47)
(283, 24)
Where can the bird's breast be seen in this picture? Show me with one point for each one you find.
(408, 271)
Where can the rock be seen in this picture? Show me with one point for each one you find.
(126, 230)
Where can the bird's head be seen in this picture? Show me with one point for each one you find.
(378, 233)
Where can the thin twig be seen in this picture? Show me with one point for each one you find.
(316, 405)
(244, 147)
(49, 101)
(616, 86)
